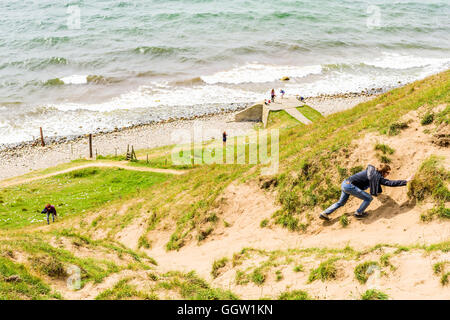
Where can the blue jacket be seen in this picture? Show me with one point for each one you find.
(361, 180)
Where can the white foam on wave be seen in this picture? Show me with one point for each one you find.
(347, 83)
(75, 79)
(150, 97)
(260, 73)
(399, 61)
(160, 100)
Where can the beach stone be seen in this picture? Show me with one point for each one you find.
(13, 278)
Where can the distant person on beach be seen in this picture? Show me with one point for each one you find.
(357, 183)
(266, 103)
(49, 210)
(282, 93)
(272, 94)
(224, 137)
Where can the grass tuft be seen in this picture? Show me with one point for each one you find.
(373, 294)
(294, 295)
(343, 220)
(258, 277)
(384, 148)
(396, 127)
(325, 271)
(217, 266)
(427, 119)
(430, 181)
(364, 270)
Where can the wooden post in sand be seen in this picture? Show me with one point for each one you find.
(42, 137)
(90, 146)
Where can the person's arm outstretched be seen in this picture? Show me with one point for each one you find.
(395, 183)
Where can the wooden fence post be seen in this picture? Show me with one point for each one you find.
(42, 137)
(90, 146)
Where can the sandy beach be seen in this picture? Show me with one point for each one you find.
(26, 157)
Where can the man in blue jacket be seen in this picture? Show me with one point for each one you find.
(357, 183)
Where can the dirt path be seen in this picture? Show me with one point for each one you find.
(121, 165)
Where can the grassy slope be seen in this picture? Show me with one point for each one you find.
(184, 204)
(312, 152)
(74, 192)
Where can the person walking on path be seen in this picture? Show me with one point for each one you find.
(224, 138)
(282, 93)
(50, 210)
(357, 183)
(272, 94)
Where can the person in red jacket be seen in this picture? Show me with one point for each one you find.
(49, 210)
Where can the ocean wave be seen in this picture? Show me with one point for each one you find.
(81, 79)
(167, 96)
(157, 51)
(259, 73)
(401, 62)
(35, 63)
(48, 41)
(189, 82)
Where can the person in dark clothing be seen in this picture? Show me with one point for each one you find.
(224, 137)
(356, 184)
(49, 210)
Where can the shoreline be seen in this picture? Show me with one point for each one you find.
(29, 156)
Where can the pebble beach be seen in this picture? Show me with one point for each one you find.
(26, 157)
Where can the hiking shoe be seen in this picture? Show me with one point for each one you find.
(360, 215)
(324, 216)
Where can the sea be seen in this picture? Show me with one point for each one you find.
(77, 67)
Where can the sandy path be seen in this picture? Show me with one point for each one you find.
(91, 165)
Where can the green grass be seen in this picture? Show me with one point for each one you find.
(443, 116)
(310, 113)
(298, 268)
(325, 271)
(122, 290)
(343, 220)
(384, 159)
(258, 277)
(430, 180)
(385, 261)
(384, 148)
(364, 270)
(373, 294)
(143, 242)
(264, 223)
(396, 127)
(281, 120)
(427, 119)
(191, 287)
(294, 295)
(72, 193)
(278, 275)
(16, 283)
(217, 266)
(439, 268)
(315, 152)
(440, 211)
